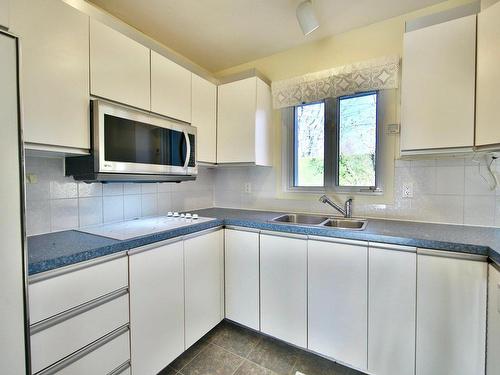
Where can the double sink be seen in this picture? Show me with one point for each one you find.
(321, 221)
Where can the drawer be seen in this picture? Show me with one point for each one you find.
(82, 283)
(51, 344)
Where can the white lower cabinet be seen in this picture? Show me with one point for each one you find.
(338, 300)
(451, 315)
(156, 307)
(392, 280)
(493, 363)
(283, 283)
(204, 278)
(242, 277)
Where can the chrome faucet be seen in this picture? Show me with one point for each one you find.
(346, 211)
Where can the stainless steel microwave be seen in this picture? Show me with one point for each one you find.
(130, 145)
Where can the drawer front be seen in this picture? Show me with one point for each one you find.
(60, 293)
(56, 342)
(103, 360)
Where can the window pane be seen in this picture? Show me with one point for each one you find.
(309, 145)
(357, 140)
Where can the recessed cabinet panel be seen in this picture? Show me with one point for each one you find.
(438, 85)
(119, 67)
(338, 301)
(242, 277)
(451, 316)
(170, 88)
(156, 308)
(391, 311)
(204, 117)
(54, 71)
(488, 76)
(283, 284)
(203, 262)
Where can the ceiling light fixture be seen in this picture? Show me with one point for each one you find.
(306, 17)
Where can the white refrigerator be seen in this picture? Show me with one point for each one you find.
(13, 339)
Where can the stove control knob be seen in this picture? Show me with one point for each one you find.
(182, 215)
(195, 216)
(169, 213)
(188, 215)
(176, 214)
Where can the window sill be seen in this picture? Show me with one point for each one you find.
(322, 190)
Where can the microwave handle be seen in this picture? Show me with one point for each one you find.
(188, 149)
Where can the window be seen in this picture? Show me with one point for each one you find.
(334, 144)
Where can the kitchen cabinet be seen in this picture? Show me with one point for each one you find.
(438, 86)
(451, 314)
(204, 282)
(4, 13)
(392, 280)
(488, 76)
(204, 117)
(244, 125)
(242, 277)
(338, 300)
(283, 284)
(156, 307)
(493, 343)
(119, 67)
(55, 72)
(170, 88)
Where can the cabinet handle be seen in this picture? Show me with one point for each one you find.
(452, 254)
(284, 234)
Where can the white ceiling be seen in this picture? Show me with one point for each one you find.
(218, 34)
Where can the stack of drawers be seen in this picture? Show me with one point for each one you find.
(79, 318)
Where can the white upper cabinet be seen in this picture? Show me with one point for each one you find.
(493, 363)
(55, 72)
(119, 67)
(4, 13)
(204, 283)
(438, 85)
(451, 315)
(244, 124)
(488, 77)
(392, 280)
(338, 300)
(170, 88)
(283, 288)
(204, 117)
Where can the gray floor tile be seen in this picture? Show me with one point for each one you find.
(250, 368)
(167, 371)
(234, 338)
(213, 360)
(274, 355)
(188, 355)
(310, 364)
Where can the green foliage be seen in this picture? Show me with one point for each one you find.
(310, 172)
(357, 170)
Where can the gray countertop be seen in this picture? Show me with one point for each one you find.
(53, 250)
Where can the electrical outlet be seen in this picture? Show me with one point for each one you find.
(407, 190)
(248, 188)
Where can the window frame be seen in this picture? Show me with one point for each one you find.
(331, 149)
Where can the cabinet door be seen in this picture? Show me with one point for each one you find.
(283, 283)
(4, 13)
(236, 121)
(242, 277)
(156, 308)
(451, 316)
(488, 76)
(204, 117)
(170, 88)
(392, 308)
(493, 363)
(55, 72)
(438, 85)
(119, 67)
(203, 264)
(338, 301)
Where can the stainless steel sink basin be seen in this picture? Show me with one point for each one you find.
(300, 219)
(352, 224)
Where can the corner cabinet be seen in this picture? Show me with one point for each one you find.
(451, 313)
(488, 77)
(55, 72)
(244, 124)
(170, 88)
(119, 67)
(204, 118)
(438, 85)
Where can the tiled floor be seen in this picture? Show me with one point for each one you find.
(232, 350)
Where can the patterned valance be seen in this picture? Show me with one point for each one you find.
(377, 74)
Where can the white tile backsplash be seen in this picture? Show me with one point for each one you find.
(112, 208)
(131, 206)
(63, 214)
(90, 211)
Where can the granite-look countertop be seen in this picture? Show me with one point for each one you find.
(53, 250)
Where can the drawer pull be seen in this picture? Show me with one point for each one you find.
(120, 369)
(56, 319)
